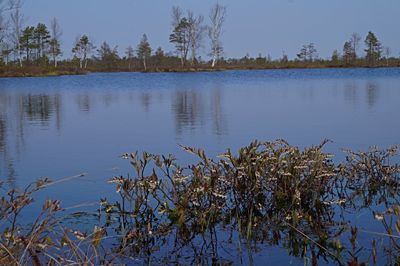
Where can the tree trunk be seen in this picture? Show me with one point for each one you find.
(19, 57)
(214, 61)
(144, 64)
(85, 59)
(193, 56)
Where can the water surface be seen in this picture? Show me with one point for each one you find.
(63, 126)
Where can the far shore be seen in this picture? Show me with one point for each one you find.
(10, 72)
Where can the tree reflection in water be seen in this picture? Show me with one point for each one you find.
(16, 112)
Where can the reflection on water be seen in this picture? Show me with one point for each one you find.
(351, 92)
(87, 121)
(189, 110)
(218, 116)
(83, 102)
(145, 99)
(2, 133)
(372, 93)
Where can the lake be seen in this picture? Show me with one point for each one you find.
(63, 126)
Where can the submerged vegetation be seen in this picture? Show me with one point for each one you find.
(220, 211)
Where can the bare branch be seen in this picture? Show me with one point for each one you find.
(217, 19)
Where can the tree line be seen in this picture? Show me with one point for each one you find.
(40, 46)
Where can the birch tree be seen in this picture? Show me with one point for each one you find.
(196, 31)
(55, 41)
(3, 27)
(217, 19)
(5, 51)
(355, 42)
(16, 20)
(82, 49)
(176, 16)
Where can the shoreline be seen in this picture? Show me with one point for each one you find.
(26, 73)
(22, 73)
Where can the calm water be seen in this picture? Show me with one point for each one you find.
(62, 126)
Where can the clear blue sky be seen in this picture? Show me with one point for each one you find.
(252, 26)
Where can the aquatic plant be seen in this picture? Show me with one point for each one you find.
(217, 211)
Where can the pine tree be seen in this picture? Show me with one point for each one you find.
(335, 57)
(42, 39)
(373, 50)
(347, 53)
(159, 56)
(27, 41)
(107, 55)
(144, 51)
(181, 37)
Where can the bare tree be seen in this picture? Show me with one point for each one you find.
(176, 16)
(55, 41)
(16, 19)
(4, 34)
(180, 36)
(3, 27)
(196, 33)
(355, 44)
(217, 19)
(386, 54)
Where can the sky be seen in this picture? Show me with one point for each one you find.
(267, 27)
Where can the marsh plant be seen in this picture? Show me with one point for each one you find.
(224, 210)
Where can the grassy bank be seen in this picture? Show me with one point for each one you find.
(38, 72)
(267, 194)
(250, 66)
(33, 71)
